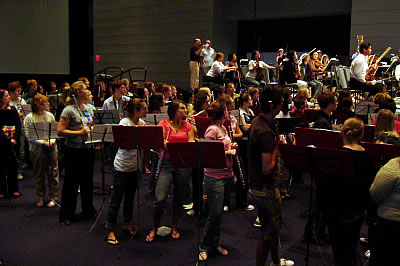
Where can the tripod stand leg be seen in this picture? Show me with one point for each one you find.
(99, 213)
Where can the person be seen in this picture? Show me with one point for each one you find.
(255, 76)
(207, 56)
(263, 179)
(346, 210)
(176, 129)
(233, 76)
(291, 72)
(195, 63)
(311, 73)
(230, 90)
(125, 176)
(255, 95)
(150, 87)
(389, 104)
(118, 99)
(385, 191)
(98, 91)
(10, 125)
(14, 90)
(216, 181)
(217, 68)
(385, 130)
(85, 81)
(358, 72)
(75, 125)
(43, 153)
(327, 102)
(279, 57)
(244, 103)
(156, 101)
(31, 90)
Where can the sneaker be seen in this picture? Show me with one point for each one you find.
(283, 262)
(248, 208)
(20, 176)
(367, 254)
(257, 222)
(188, 206)
(190, 213)
(51, 204)
(226, 208)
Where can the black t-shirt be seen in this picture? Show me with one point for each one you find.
(322, 121)
(193, 56)
(388, 139)
(262, 139)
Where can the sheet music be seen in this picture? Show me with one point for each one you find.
(106, 116)
(40, 131)
(98, 132)
(164, 109)
(236, 114)
(365, 108)
(154, 119)
(26, 109)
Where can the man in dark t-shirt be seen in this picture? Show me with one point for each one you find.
(263, 179)
(195, 63)
(327, 102)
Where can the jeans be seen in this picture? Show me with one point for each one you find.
(255, 83)
(316, 87)
(215, 196)
(125, 185)
(171, 176)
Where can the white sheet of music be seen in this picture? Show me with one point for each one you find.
(236, 114)
(154, 119)
(98, 132)
(26, 109)
(40, 130)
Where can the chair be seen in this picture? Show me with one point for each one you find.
(369, 133)
(389, 152)
(330, 139)
(306, 136)
(376, 151)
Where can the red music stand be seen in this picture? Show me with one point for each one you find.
(138, 137)
(330, 139)
(295, 157)
(306, 136)
(202, 124)
(333, 162)
(202, 153)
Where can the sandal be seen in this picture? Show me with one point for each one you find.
(51, 204)
(222, 251)
(111, 241)
(203, 256)
(1, 196)
(150, 237)
(40, 203)
(129, 231)
(175, 235)
(17, 194)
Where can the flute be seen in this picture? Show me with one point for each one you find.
(81, 115)
(160, 161)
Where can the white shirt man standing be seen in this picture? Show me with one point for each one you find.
(207, 56)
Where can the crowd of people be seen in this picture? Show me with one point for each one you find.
(253, 165)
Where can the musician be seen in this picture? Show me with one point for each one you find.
(328, 103)
(311, 75)
(233, 76)
(156, 101)
(195, 63)
(244, 102)
(280, 57)
(217, 68)
(9, 174)
(125, 176)
(207, 56)
(117, 100)
(31, 90)
(255, 76)
(291, 72)
(75, 124)
(230, 90)
(358, 71)
(176, 129)
(263, 178)
(43, 153)
(216, 181)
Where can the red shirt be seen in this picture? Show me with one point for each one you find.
(181, 136)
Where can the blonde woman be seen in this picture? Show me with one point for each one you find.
(385, 130)
(75, 123)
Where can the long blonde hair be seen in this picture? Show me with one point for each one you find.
(76, 87)
(385, 123)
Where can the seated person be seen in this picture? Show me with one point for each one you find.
(390, 105)
(215, 73)
(327, 102)
(385, 130)
(255, 76)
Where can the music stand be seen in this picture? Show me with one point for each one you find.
(202, 124)
(209, 154)
(365, 108)
(110, 116)
(138, 137)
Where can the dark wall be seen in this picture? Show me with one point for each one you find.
(330, 34)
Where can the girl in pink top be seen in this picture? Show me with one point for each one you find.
(175, 129)
(216, 181)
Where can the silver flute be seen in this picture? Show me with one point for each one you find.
(161, 159)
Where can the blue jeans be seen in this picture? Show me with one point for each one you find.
(179, 177)
(215, 189)
(125, 185)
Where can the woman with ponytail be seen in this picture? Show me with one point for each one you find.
(75, 124)
(347, 198)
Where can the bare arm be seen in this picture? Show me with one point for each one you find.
(269, 161)
(63, 129)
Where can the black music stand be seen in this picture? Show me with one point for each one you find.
(202, 153)
(106, 116)
(138, 137)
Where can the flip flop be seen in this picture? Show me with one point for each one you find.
(111, 242)
(222, 251)
(175, 235)
(203, 256)
(149, 238)
(129, 231)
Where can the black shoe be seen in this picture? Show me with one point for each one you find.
(65, 221)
